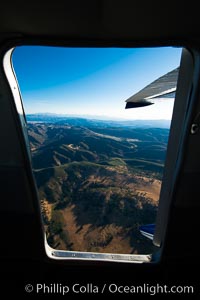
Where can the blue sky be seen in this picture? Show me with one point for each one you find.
(91, 81)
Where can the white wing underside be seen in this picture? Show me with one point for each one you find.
(163, 87)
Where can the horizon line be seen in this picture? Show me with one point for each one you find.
(97, 117)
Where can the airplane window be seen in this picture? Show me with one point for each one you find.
(98, 123)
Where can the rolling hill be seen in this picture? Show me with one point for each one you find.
(97, 183)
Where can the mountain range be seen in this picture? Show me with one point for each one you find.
(98, 120)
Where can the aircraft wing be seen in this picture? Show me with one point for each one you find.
(163, 87)
(147, 230)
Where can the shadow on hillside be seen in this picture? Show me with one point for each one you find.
(93, 208)
(43, 176)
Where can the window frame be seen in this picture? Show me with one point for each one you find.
(178, 129)
(180, 125)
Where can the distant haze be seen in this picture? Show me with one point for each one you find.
(85, 120)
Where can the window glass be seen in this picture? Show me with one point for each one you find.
(98, 166)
